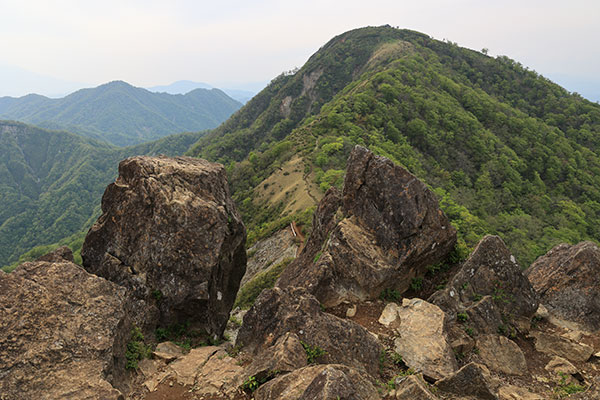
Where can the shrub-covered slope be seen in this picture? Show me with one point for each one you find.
(121, 114)
(51, 182)
(506, 150)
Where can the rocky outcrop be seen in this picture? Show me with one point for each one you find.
(64, 332)
(170, 233)
(327, 338)
(324, 382)
(384, 231)
(489, 289)
(421, 338)
(280, 246)
(567, 279)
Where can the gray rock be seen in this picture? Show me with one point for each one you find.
(471, 380)
(170, 233)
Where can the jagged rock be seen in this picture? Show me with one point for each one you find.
(459, 340)
(489, 271)
(560, 365)
(501, 354)
(510, 392)
(471, 380)
(167, 351)
(278, 311)
(220, 376)
(186, 368)
(567, 280)
(385, 231)
(560, 346)
(64, 333)
(170, 233)
(270, 251)
(324, 382)
(286, 355)
(59, 255)
(413, 388)
(422, 340)
(389, 315)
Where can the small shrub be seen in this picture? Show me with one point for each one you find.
(157, 295)
(137, 350)
(317, 256)
(462, 317)
(390, 295)
(397, 359)
(250, 384)
(417, 283)
(312, 352)
(469, 331)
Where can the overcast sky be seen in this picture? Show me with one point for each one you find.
(233, 43)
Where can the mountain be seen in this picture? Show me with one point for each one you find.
(51, 182)
(506, 151)
(16, 81)
(183, 87)
(121, 114)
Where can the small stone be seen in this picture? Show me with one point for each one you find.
(560, 365)
(351, 312)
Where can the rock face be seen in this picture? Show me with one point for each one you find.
(319, 382)
(488, 287)
(384, 231)
(270, 251)
(64, 333)
(567, 280)
(170, 233)
(422, 340)
(471, 380)
(278, 312)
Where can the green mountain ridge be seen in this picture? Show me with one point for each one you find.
(506, 150)
(51, 182)
(121, 114)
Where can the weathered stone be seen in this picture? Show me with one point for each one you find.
(171, 234)
(286, 355)
(390, 315)
(186, 368)
(459, 340)
(413, 388)
(510, 392)
(489, 271)
(64, 333)
(560, 365)
(422, 341)
(385, 231)
(61, 254)
(167, 351)
(323, 382)
(471, 380)
(219, 376)
(280, 246)
(562, 347)
(484, 316)
(501, 354)
(567, 280)
(278, 311)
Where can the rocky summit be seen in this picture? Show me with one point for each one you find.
(170, 233)
(64, 332)
(380, 234)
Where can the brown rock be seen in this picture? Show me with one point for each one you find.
(64, 333)
(501, 354)
(171, 234)
(324, 382)
(185, 370)
(413, 388)
(286, 355)
(567, 280)
(422, 341)
(471, 380)
(167, 351)
(560, 365)
(61, 254)
(384, 232)
(459, 340)
(562, 347)
(220, 376)
(489, 271)
(279, 311)
(270, 251)
(510, 392)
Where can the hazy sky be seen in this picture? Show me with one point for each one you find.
(229, 43)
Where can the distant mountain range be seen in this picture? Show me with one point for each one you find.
(121, 114)
(183, 87)
(51, 182)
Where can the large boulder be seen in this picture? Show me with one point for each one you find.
(383, 232)
(489, 289)
(567, 280)
(170, 233)
(327, 339)
(64, 333)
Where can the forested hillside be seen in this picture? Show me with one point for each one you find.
(51, 182)
(506, 150)
(121, 114)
